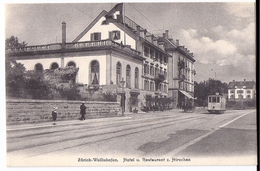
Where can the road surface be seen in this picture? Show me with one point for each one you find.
(155, 138)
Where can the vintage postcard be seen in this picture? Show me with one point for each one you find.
(130, 84)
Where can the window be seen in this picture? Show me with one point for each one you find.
(128, 76)
(232, 91)
(214, 99)
(248, 96)
(94, 73)
(161, 87)
(54, 66)
(165, 59)
(95, 36)
(156, 71)
(240, 96)
(152, 86)
(161, 71)
(210, 100)
(152, 70)
(146, 85)
(71, 64)
(161, 58)
(248, 91)
(118, 73)
(165, 88)
(136, 77)
(146, 51)
(151, 53)
(240, 91)
(38, 67)
(114, 35)
(232, 97)
(146, 69)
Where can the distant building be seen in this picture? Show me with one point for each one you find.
(241, 90)
(113, 49)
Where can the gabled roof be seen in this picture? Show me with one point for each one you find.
(247, 84)
(102, 14)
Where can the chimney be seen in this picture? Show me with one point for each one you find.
(63, 34)
(166, 34)
(177, 42)
(138, 30)
(155, 42)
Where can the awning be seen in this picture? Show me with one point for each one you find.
(186, 94)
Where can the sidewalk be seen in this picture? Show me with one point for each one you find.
(61, 123)
(96, 120)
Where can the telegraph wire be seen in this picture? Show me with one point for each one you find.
(80, 10)
(144, 16)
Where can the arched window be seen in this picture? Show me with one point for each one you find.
(71, 64)
(118, 73)
(128, 76)
(54, 66)
(94, 73)
(136, 78)
(38, 67)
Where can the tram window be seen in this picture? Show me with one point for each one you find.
(210, 99)
(214, 99)
(217, 99)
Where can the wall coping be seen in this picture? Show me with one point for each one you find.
(56, 101)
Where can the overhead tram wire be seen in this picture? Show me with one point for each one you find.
(144, 16)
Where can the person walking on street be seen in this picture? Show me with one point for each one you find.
(82, 111)
(54, 115)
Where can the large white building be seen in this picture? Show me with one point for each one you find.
(241, 90)
(113, 48)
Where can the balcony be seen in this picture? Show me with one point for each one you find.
(159, 77)
(181, 64)
(73, 46)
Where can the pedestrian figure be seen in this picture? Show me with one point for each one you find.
(54, 115)
(82, 111)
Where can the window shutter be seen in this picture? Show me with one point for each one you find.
(118, 34)
(110, 35)
(92, 37)
(99, 36)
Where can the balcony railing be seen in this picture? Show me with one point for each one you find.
(159, 77)
(74, 45)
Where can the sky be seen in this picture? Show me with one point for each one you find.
(221, 35)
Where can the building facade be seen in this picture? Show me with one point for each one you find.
(181, 71)
(241, 90)
(114, 50)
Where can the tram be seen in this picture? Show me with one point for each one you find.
(216, 103)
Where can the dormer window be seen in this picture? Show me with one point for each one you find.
(114, 35)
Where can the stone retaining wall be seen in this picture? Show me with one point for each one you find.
(35, 111)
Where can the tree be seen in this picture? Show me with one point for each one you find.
(37, 86)
(13, 42)
(208, 87)
(14, 73)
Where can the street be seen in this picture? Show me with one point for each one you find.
(154, 138)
